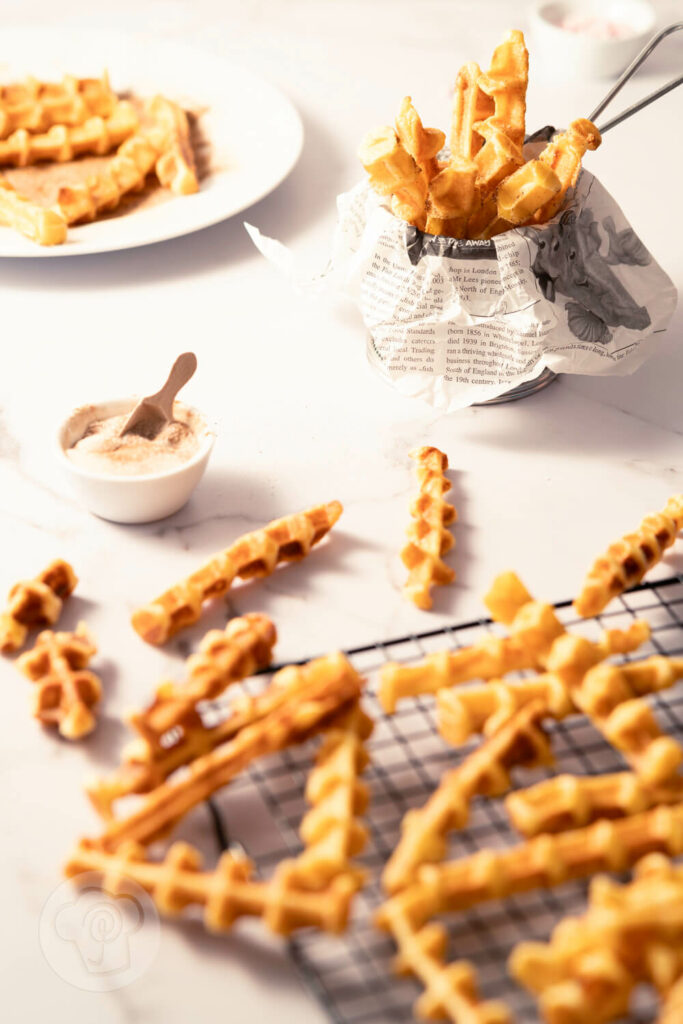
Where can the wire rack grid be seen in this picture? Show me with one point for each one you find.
(351, 975)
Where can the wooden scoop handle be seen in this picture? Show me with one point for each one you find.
(181, 371)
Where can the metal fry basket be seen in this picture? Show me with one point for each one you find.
(351, 975)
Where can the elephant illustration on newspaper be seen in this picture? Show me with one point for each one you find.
(568, 262)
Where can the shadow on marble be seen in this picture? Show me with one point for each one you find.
(286, 212)
(76, 609)
(104, 744)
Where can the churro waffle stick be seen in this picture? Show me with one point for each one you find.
(36, 106)
(572, 801)
(467, 711)
(563, 156)
(64, 693)
(329, 684)
(543, 862)
(252, 555)
(627, 560)
(35, 603)
(226, 893)
(450, 990)
(428, 537)
(331, 829)
(503, 131)
(224, 657)
(61, 143)
(610, 696)
(46, 227)
(175, 167)
(485, 771)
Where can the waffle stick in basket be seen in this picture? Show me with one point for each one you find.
(463, 712)
(589, 969)
(36, 106)
(428, 538)
(331, 830)
(64, 691)
(252, 555)
(226, 894)
(572, 801)
(61, 143)
(450, 989)
(627, 560)
(484, 772)
(327, 685)
(35, 603)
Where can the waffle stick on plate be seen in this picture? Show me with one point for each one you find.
(483, 772)
(463, 712)
(627, 560)
(328, 685)
(36, 106)
(62, 142)
(252, 555)
(64, 692)
(572, 801)
(175, 167)
(331, 829)
(35, 603)
(226, 893)
(428, 538)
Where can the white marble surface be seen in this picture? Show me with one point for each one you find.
(540, 485)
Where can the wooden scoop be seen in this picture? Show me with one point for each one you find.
(153, 412)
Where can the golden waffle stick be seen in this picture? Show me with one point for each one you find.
(35, 603)
(427, 534)
(462, 713)
(62, 143)
(485, 222)
(450, 990)
(388, 163)
(563, 156)
(36, 106)
(331, 831)
(626, 561)
(175, 168)
(144, 768)
(64, 694)
(543, 862)
(592, 963)
(484, 772)
(503, 131)
(423, 145)
(46, 227)
(525, 191)
(534, 626)
(470, 105)
(610, 696)
(226, 893)
(126, 172)
(671, 1010)
(572, 801)
(329, 684)
(224, 657)
(252, 555)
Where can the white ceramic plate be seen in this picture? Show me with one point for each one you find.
(255, 133)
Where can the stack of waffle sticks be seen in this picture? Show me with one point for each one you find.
(572, 827)
(482, 185)
(58, 122)
(320, 697)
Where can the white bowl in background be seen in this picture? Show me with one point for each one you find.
(130, 499)
(582, 53)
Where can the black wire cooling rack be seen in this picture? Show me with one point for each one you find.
(351, 975)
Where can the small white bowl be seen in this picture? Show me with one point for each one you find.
(581, 53)
(130, 499)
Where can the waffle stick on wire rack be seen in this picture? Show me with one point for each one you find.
(352, 975)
